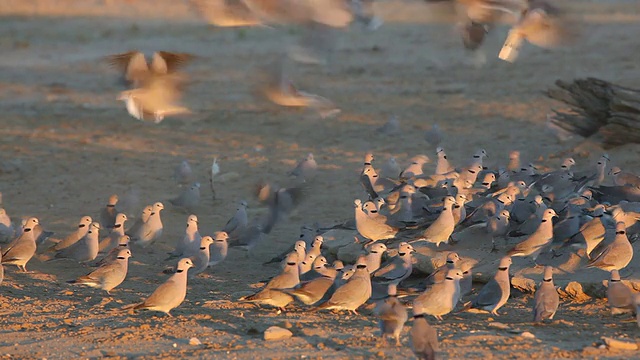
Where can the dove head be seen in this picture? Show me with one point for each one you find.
(220, 236)
(300, 244)
(243, 204)
(505, 262)
(604, 159)
(548, 215)
(489, 178)
(615, 275)
(368, 158)
(95, 226)
(461, 199)
(514, 155)
(338, 265)
(480, 154)
(568, 163)
(309, 157)
(357, 203)
(538, 199)
(192, 219)
(440, 152)
(317, 241)
(292, 258)
(454, 274)
(124, 254)
(205, 242)
(30, 224)
(85, 221)
(615, 171)
(123, 241)
(379, 202)
(370, 207)
(448, 201)
(621, 228)
(378, 248)
(309, 259)
(505, 214)
(121, 217)
(405, 249)
(113, 200)
(320, 262)
(147, 210)
(548, 273)
(347, 272)
(184, 265)
(587, 194)
(452, 258)
(159, 206)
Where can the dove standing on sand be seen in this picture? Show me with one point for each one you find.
(392, 316)
(370, 226)
(423, 337)
(123, 243)
(85, 249)
(441, 298)
(497, 226)
(22, 249)
(616, 255)
(189, 243)
(219, 248)
(109, 275)
(189, 198)
(439, 274)
(398, 268)
(74, 237)
(109, 212)
(305, 265)
(238, 222)
(374, 256)
(466, 283)
(355, 292)
(619, 296)
(144, 216)
(546, 299)
(306, 168)
(441, 229)
(171, 293)
(536, 242)
(271, 294)
(310, 292)
(117, 231)
(151, 230)
(495, 293)
(201, 258)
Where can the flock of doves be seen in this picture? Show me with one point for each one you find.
(157, 86)
(414, 209)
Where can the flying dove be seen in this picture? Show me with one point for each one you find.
(374, 256)
(441, 229)
(117, 231)
(534, 244)
(189, 198)
(144, 216)
(441, 298)
(171, 293)
(109, 212)
(156, 97)
(85, 249)
(546, 299)
(136, 69)
(183, 174)
(354, 293)
(219, 248)
(392, 315)
(306, 168)
(22, 249)
(495, 293)
(238, 222)
(123, 243)
(439, 274)
(109, 275)
(201, 258)
(424, 338)
(398, 268)
(189, 243)
(74, 237)
(150, 230)
(619, 295)
(616, 255)
(271, 294)
(311, 292)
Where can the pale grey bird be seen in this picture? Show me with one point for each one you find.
(319, 267)
(592, 232)
(311, 292)
(85, 249)
(423, 337)
(151, 230)
(109, 212)
(621, 178)
(415, 167)
(219, 248)
(442, 165)
(441, 298)
(110, 241)
(271, 294)
(616, 255)
(183, 174)
(619, 296)
(466, 283)
(374, 256)
(189, 198)
(536, 242)
(238, 222)
(189, 243)
(123, 243)
(201, 258)
(6, 227)
(306, 169)
(390, 168)
(434, 135)
(136, 68)
(439, 274)
(305, 265)
(397, 268)
(79, 233)
(345, 274)
(354, 293)
(391, 127)
(372, 227)
(392, 315)
(22, 249)
(252, 236)
(109, 275)
(546, 299)
(495, 293)
(441, 229)
(171, 293)
(144, 216)
(497, 227)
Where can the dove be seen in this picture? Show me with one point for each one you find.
(201, 258)
(497, 226)
(398, 268)
(171, 293)
(136, 68)
(318, 268)
(117, 231)
(374, 256)
(109, 275)
(441, 298)
(188, 198)
(144, 216)
(424, 338)
(271, 294)
(434, 136)
(85, 249)
(123, 243)
(543, 236)
(415, 168)
(251, 237)
(238, 223)
(182, 174)
(441, 229)
(616, 255)
(316, 246)
(300, 248)
(392, 315)
(305, 265)
(514, 161)
(592, 232)
(156, 97)
(22, 249)
(442, 165)
(370, 227)
(219, 248)
(189, 243)
(621, 178)
(391, 127)
(345, 274)
(81, 231)
(466, 283)
(439, 274)
(390, 168)
(546, 299)
(495, 293)
(109, 212)
(306, 169)
(619, 296)
(6, 227)
(459, 211)
(354, 293)
(151, 230)
(311, 292)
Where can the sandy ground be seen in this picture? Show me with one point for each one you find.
(67, 145)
